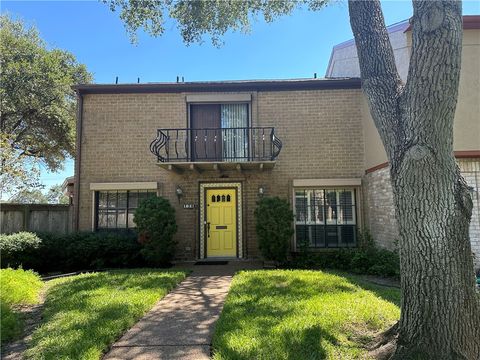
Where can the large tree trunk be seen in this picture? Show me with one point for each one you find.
(440, 316)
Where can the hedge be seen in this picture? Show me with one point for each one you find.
(378, 262)
(71, 252)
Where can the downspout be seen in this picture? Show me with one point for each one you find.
(78, 158)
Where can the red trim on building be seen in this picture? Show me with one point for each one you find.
(467, 154)
(470, 22)
(462, 154)
(377, 167)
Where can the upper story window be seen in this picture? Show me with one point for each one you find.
(325, 217)
(114, 209)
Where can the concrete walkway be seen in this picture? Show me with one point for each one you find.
(181, 325)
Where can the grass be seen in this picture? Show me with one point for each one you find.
(85, 314)
(299, 314)
(18, 287)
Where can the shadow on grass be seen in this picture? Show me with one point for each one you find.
(85, 314)
(295, 315)
(387, 293)
(260, 305)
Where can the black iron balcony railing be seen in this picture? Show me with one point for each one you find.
(216, 144)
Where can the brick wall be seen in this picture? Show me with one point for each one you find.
(321, 133)
(380, 214)
(470, 169)
(379, 209)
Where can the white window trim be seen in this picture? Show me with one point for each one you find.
(311, 184)
(339, 213)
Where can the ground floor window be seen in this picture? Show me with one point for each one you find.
(325, 218)
(115, 209)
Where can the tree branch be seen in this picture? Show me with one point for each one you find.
(433, 75)
(380, 80)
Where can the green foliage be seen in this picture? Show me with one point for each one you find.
(88, 250)
(18, 287)
(29, 196)
(365, 239)
(54, 195)
(285, 314)
(11, 323)
(155, 220)
(73, 252)
(85, 314)
(198, 18)
(366, 259)
(38, 103)
(372, 261)
(18, 248)
(273, 224)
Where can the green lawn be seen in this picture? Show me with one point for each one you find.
(85, 314)
(17, 287)
(296, 314)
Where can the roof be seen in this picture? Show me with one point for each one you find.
(469, 22)
(68, 181)
(229, 85)
(399, 26)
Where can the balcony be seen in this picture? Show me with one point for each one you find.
(220, 149)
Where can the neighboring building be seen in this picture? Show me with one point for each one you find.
(68, 188)
(218, 146)
(378, 193)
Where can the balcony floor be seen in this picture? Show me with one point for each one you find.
(219, 166)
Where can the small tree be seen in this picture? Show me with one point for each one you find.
(273, 224)
(155, 220)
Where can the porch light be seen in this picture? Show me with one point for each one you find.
(179, 192)
(261, 190)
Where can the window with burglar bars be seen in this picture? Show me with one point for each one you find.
(114, 209)
(325, 218)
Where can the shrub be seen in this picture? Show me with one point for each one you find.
(155, 220)
(76, 251)
(365, 259)
(273, 224)
(19, 287)
(18, 248)
(102, 250)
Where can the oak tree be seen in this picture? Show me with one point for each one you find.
(37, 104)
(440, 315)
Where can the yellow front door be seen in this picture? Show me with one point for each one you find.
(221, 229)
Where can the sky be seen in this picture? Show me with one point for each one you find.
(295, 46)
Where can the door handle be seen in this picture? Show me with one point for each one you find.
(208, 229)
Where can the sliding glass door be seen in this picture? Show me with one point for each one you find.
(219, 132)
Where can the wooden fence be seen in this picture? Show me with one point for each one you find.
(54, 218)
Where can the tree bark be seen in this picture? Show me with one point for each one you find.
(440, 316)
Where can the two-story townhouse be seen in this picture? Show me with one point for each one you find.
(214, 148)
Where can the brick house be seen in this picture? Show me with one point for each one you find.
(214, 148)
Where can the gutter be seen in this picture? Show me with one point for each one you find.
(221, 86)
(78, 158)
